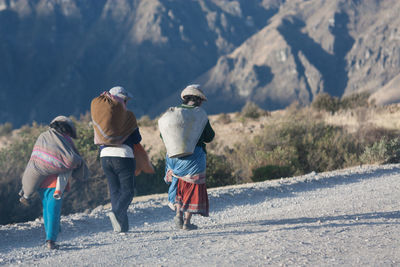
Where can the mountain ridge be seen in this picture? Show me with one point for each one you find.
(57, 55)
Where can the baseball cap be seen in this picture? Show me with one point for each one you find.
(120, 92)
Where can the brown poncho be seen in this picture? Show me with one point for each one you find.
(112, 122)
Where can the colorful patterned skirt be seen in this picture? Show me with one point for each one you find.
(192, 198)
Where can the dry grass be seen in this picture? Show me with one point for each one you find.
(236, 129)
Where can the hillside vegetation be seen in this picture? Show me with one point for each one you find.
(251, 145)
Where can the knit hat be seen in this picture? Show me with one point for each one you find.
(193, 89)
(67, 120)
(120, 92)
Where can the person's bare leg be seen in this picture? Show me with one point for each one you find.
(178, 210)
(188, 216)
(178, 219)
(186, 224)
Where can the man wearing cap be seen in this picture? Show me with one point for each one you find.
(117, 157)
(120, 92)
(187, 174)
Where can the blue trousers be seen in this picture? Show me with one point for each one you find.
(120, 173)
(51, 213)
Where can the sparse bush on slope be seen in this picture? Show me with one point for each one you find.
(252, 110)
(302, 143)
(354, 101)
(152, 183)
(224, 118)
(219, 171)
(296, 147)
(333, 104)
(5, 129)
(326, 102)
(382, 151)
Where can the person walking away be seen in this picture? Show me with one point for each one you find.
(54, 154)
(186, 156)
(116, 131)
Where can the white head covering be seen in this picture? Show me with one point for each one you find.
(193, 89)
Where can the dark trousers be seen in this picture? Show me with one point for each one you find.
(120, 173)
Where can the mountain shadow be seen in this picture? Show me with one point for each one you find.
(331, 67)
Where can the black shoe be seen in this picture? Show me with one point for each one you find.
(178, 222)
(189, 226)
(50, 244)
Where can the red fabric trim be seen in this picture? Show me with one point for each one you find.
(51, 182)
(192, 198)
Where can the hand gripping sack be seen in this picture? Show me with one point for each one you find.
(181, 129)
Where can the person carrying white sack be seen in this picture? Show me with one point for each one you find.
(53, 161)
(185, 130)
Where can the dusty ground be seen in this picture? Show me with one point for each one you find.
(342, 218)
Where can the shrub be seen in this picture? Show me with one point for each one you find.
(152, 183)
(355, 101)
(270, 172)
(332, 104)
(146, 121)
(224, 118)
(298, 146)
(326, 102)
(383, 151)
(369, 134)
(252, 110)
(219, 171)
(5, 129)
(93, 192)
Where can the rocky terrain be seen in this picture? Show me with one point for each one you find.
(57, 55)
(309, 47)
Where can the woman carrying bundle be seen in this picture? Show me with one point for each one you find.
(54, 155)
(186, 167)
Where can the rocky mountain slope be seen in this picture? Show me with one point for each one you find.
(57, 55)
(308, 47)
